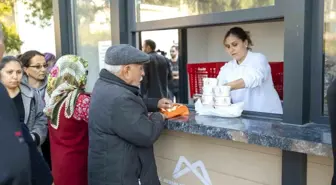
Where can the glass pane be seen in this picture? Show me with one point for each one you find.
(149, 10)
(166, 44)
(93, 34)
(207, 54)
(329, 46)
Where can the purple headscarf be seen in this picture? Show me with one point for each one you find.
(49, 56)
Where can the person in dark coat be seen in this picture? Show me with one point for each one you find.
(174, 64)
(14, 155)
(40, 172)
(157, 73)
(331, 97)
(10, 75)
(121, 134)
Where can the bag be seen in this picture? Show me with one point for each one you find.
(175, 111)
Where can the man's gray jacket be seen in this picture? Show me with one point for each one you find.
(121, 135)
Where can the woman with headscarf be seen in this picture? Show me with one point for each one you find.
(50, 59)
(67, 107)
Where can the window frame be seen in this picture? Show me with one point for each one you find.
(254, 15)
(64, 27)
(317, 65)
(229, 17)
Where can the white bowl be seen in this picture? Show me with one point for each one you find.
(207, 90)
(210, 82)
(207, 99)
(222, 90)
(222, 101)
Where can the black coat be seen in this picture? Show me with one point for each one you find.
(331, 96)
(14, 155)
(121, 135)
(157, 76)
(40, 171)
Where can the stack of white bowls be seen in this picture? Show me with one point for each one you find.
(207, 91)
(214, 95)
(222, 96)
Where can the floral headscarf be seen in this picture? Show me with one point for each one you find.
(66, 80)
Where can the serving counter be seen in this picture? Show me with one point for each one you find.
(206, 150)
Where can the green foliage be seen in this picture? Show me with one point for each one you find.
(6, 8)
(41, 10)
(12, 39)
(40, 14)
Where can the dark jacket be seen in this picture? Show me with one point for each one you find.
(331, 97)
(40, 172)
(121, 135)
(14, 155)
(174, 83)
(157, 75)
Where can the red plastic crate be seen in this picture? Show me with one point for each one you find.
(199, 71)
(277, 69)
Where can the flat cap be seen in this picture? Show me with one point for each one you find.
(124, 54)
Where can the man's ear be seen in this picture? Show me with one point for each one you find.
(125, 69)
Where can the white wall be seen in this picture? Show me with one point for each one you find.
(206, 44)
(198, 43)
(164, 39)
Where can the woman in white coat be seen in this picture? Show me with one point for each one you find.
(248, 75)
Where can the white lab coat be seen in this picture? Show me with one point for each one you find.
(259, 94)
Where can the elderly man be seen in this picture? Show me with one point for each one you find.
(121, 135)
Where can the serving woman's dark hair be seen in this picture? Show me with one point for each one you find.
(5, 60)
(241, 34)
(25, 57)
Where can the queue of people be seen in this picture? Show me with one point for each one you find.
(107, 137)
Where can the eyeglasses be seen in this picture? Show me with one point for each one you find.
(45, 66)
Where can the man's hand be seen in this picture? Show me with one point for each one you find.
(163, 116)
(165, 103)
